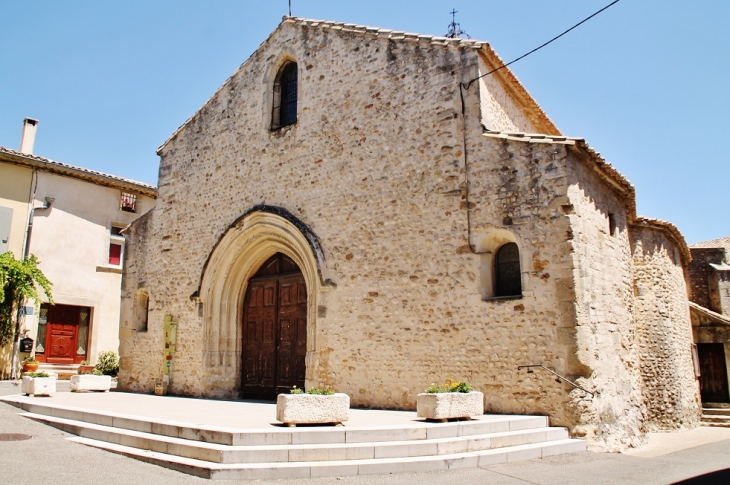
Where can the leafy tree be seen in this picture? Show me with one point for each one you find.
(19, 279)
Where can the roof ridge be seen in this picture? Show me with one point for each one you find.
(385, 33)
(712, 243)
(89, 171)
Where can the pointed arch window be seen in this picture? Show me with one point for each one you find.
(507, 274)
(285, 96)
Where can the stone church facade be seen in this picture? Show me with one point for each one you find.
(353, 208)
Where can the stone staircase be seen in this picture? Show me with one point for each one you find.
(62, 371)
(310, 451)
(716, 416)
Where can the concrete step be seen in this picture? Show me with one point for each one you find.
(284, 435)
(271, 451)
(716, 411)
(218, 453)
(716, 420)
(62, 371)
(242, 471)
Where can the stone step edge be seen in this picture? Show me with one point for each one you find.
(68, 425)
(339, 468)
(230, 434)
(716, 412)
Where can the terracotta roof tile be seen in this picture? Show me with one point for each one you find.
(609, 174)
(72, 170)
(723, 242)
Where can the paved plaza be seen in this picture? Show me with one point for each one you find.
(701, 454)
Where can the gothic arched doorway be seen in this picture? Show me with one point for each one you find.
(274, 328)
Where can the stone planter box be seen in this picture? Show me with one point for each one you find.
(450, 405)
(90, 382)
(39, 386)
(293, 409)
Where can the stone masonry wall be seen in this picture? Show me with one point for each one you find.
(379, 177)
(498, 112)
(699, 275)
(664, 332)
(723, 291)
(605, 327)
(139, 350)
(402, 192)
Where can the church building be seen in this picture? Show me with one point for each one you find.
(370, 210)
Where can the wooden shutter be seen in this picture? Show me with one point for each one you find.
(6, 219)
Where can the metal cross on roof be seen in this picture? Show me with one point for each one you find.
(454, 28)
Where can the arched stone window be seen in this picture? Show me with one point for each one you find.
(507, 274)
(284, 111)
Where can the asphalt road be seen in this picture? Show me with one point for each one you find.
(48, 458)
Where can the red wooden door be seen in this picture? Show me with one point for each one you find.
(713, 369)
(274, 327)
(62, 334)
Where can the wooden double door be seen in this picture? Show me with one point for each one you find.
(63, 334)
(713, 373)
(274, 327)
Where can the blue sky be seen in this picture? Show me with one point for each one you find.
(645, 82)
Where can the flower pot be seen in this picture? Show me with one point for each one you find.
(293, 409)
(30, 366)
(39, 386)
(86, 369)
(90, 382)
(450, 405)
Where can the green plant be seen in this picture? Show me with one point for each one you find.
(37, 374)
(450, 386)
(108, 363)
(97, 372)
(19, 279)
(84, 362)
(30, 360)
(324, 391)
(296, 390)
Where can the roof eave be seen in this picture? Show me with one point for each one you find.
(78, 173)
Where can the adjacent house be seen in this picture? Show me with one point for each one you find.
(709, 283)
(372, 210)
(71, 218)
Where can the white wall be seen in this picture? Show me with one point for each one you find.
(71, 240)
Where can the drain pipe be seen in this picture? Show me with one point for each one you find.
(26, 253)
(49, 201)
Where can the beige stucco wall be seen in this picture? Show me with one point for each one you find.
(664, 332)
(15, 186)
(71, 240)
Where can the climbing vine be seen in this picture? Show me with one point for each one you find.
(19, 279)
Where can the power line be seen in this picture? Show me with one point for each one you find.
(540, 47)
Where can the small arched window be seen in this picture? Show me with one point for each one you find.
(507, 274)
(284, 111)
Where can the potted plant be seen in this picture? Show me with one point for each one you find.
(38, 384)
(96, 381)
(30, 364)
(85, 367)
(318, 405)
(108, 363)
(451, 400)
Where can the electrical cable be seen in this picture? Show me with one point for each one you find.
(543, 45)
